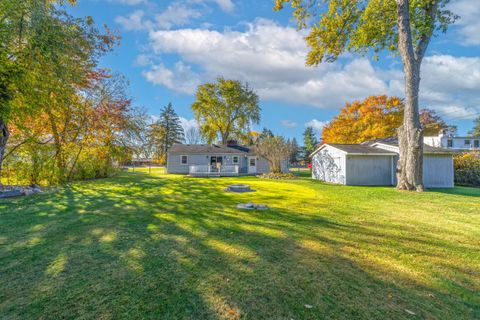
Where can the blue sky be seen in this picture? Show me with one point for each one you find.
(169, 47)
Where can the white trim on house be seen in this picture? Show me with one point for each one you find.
(392, 153)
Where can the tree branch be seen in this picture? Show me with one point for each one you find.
(422, 45)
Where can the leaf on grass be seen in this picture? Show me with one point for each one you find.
(410, 312)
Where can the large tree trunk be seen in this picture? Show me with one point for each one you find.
(4, 135)
(410, 134)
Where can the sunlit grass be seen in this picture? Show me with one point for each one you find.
(150, 245)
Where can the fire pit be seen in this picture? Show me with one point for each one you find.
(239, 188)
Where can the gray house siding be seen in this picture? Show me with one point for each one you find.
(175, 166)
(364, 170)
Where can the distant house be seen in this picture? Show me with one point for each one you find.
(449, 141)
(374, 163)
(217, 160)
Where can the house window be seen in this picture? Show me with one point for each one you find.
(184, 159)
(235, 159)
(252, 162)
(476, 144)
(467, 142)
(449, 143)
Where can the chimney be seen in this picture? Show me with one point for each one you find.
(232, 143)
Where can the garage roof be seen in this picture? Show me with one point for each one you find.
(357, 149)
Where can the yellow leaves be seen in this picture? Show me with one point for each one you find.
(375, 117)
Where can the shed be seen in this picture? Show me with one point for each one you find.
(374, 163)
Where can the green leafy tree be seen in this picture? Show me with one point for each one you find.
(309, 142)
(476, 128)
(166, 131)
(400, 26)
(225, 109)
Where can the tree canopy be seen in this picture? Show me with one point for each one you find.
(166, 131)
(373, 118)
(225, 109)
(400, 26)
(309, 142)
(476, 128)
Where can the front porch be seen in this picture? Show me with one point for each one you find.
(214, 171)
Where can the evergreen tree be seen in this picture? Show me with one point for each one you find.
(266, 133)
(294, 151)
(166, 131)
(476, 128)
(309, 142)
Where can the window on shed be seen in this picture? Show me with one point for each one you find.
(184, 159)
(449, 143)
(467, 142)
(235, 159)
(476, 144)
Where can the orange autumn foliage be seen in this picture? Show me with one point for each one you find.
(373, 118)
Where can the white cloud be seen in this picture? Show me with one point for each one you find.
(187, 124)
(132, 22)
(317, 125)
(226, 5)
(288, 123)
(180, 78)
(468, 25)
(271, 58)
(176, 15)
(129, 2)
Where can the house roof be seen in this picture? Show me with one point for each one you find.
(357, 149)
(394, 143)
(209, 149)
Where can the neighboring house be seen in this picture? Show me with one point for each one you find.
(217, 160)
(449, 141)
(374, 163)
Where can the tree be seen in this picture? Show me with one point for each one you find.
(294, 150)
(400, 26)
(225, 109)
(166, 131)
(432, 123)
(193, 135)
(275, 149)
(265, 133)
(373, 118)
(476, 128)
(309, 142)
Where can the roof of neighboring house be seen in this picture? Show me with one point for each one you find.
(356, 149)
(394, 143)
(209, 149)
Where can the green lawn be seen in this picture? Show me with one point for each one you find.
(168, 247)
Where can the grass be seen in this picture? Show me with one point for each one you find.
(152, 246)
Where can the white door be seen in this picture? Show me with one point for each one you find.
(252, 165)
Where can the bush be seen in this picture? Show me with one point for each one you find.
(277, 176)
(467, 169)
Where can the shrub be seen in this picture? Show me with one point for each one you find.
(467, 169)
(277, 176)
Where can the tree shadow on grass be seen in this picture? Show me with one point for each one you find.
(140, 246)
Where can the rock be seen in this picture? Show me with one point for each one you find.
(410, 312)
(250, 205)
(11, 193)
(244, 206)
(261, 207)
(27, 191)
(308, 306)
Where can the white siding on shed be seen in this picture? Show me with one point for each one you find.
(438, 171)
(329, 165)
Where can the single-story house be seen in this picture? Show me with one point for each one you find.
(374, 163)
(217, 160)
